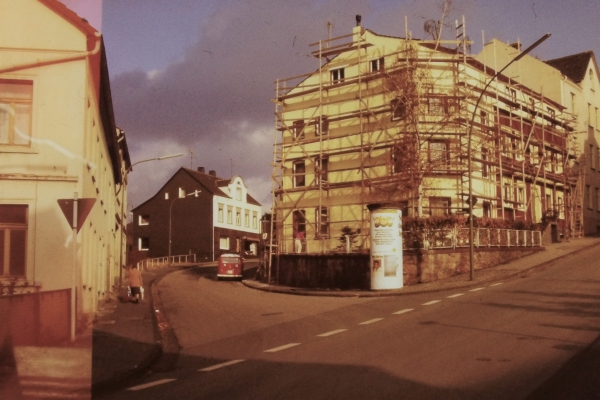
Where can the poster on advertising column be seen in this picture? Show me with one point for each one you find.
(386, 249)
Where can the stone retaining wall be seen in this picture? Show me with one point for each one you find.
(352, 271)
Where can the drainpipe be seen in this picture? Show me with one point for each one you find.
(63, 59)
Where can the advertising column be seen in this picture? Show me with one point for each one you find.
(386, 248)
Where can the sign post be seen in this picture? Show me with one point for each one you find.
(75, 211)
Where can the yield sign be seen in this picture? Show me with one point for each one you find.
(84, 206)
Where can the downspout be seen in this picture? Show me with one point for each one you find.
(76, 57)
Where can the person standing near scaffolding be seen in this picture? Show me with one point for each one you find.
(298, 241)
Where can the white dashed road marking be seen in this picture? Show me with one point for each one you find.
(430, 302)
(225, 364)
(456, 295)
(286, 346)
(476, 289)
(332, 332)
(403, 311)
(147, 385)
(370, 321)
(496, 284)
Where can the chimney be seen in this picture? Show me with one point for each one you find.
(358, 19)
(212, 172)
(201, 170)
(516, 45)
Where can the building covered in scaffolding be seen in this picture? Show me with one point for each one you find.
(387, 120)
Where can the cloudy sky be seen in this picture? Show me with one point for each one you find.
(198, 75)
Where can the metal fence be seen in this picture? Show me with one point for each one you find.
(451, 238)
(459, 237)
(150, 263)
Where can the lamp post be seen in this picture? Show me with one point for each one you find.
(195, 194)
(469, 137)
(124, 179)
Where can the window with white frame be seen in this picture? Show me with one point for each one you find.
(181, 192)
(247, 219)
(143, 244)
(337, 75)
(298, 129)
(254, 219)
(166, 195)
(16, 99)
(322, 221)
(376, 65)
(299, 173)
(229, 215)
(144, 219)
(521, 196)
(321, 125)
(238, 217)
(224, 243)
(13, 239)
(220, 212)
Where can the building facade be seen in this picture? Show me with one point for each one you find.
(389, 120)
(58, 142)
(197, 213)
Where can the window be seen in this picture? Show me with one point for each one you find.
(247, 219)
(483, 118)
(521, 196)
(552, 115)
(13, 239)
(298, 129)
(549, 202)
(435, 106)
(438, 153)
(321, 170)
(16, 98)
(512, 94)
(592, 165)
(229, 215)
(143, 244)
(559, 203)
(223, 243)
(322, 221)
(144, 220)
(508, 192)
(398, 108)
(238, 194)
(238, 217)
(299, 173)
(376, 65)
(181, 192)
(254, 220)
(439, 206)
(323, 127)
(337, 75)
(220, 214)
(588, 196)
(166, 195)
(485, 167)
(299, 221)
(573, 103)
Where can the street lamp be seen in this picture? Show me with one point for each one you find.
(469, 135)
(124, 179)
(195, 194)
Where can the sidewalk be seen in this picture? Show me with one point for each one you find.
(130, 340)
(552, 252)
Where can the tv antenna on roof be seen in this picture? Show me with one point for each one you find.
(192, 156)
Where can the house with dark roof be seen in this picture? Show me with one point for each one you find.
(197, 213)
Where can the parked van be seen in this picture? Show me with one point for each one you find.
(230, 266)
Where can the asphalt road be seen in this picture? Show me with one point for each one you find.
(517, 339)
